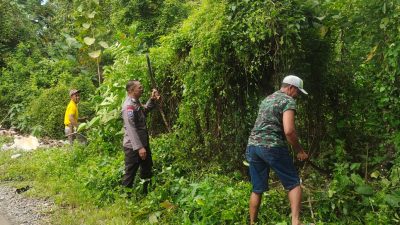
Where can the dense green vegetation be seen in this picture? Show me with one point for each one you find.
(214, 60)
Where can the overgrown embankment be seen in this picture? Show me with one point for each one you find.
(85, 186)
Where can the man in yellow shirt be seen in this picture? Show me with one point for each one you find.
(71, 116)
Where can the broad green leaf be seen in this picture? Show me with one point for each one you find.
(103, 44)
(356, 179)
(95, 54)
(384, 23)
(86, 25)
(70, 57)
(81, 127)
(331, 193)
(199, 200)
(395, 175)
(108, 100)
(166, 204)
(384, 8)
(65, 35)
(385, 182)
(113, 114)
(80, 8)
(153, 218)
(91, 15)
(72, 42)
(355, 166)
(371, 54)
(95, 120)
(96, 1)
(375, 174)
(345, 210)
(365, 190)
(89, 40)
(282, 223)
(393, 200)
(323, 30)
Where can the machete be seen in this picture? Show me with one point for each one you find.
(154, 85)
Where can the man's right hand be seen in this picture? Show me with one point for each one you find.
(142, 153)
(155, 95)
(302, 155)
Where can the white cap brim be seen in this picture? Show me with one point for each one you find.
(304, 91)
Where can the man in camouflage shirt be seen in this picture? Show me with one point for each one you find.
(136, 138)
(267, 147)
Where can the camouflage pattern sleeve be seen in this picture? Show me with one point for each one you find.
(290, 104)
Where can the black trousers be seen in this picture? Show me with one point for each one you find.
(132, 164)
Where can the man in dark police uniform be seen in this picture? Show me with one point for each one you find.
(136, 138)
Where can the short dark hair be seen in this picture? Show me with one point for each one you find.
(131, 84)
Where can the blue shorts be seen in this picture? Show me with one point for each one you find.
(261, 159)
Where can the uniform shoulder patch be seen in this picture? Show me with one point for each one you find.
(130, 109)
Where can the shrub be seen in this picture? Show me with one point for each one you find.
(45, 114)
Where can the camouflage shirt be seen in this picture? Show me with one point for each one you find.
(268, 128)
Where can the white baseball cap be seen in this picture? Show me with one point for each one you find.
(73, 91)
(295, 81)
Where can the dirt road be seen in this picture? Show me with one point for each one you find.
(21, 210)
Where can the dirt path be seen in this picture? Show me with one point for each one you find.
(17, 209)
(4, 221)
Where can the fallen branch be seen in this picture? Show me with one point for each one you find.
(309, 200)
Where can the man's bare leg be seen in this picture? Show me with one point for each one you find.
(254, 206)
(295, 204)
